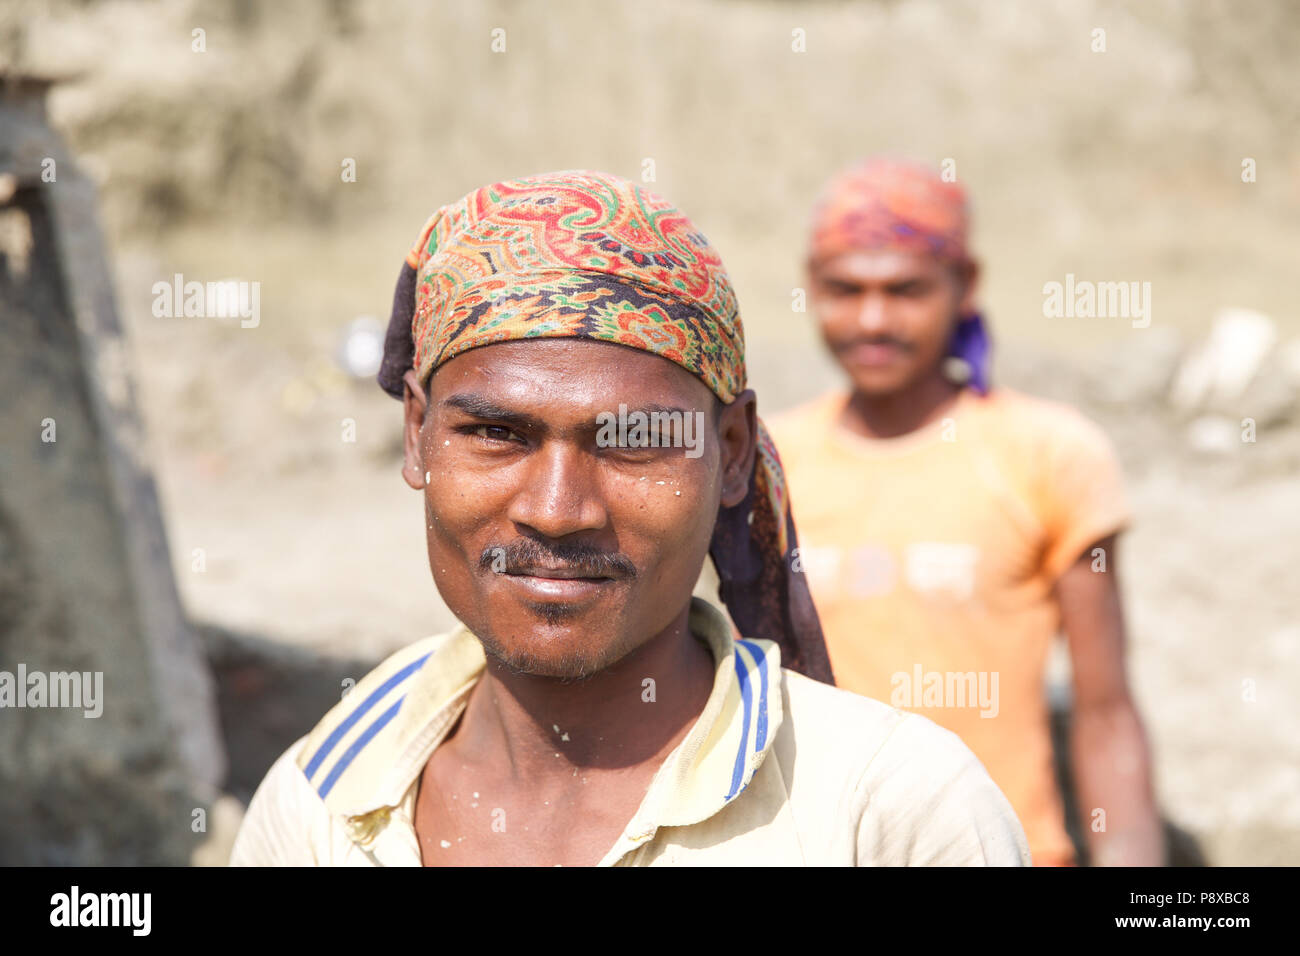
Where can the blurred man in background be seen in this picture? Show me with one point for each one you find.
(950, 529)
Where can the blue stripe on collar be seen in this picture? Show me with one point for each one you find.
(341, 730)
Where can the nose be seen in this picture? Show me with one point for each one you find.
(871, 314)
(561, 493)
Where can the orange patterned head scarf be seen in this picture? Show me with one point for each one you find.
(893, 204)
(582, 254)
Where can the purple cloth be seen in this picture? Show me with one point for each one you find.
(971, 342)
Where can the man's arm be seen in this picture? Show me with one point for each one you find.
(1111, 760)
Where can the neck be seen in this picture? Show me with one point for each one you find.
(899, 413)
(511, 719)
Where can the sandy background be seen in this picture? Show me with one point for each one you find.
(1117, 165)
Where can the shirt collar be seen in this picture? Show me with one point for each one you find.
(710, 767)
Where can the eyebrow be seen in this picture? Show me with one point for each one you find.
(888, 282)
(481, 407)
(654, 408)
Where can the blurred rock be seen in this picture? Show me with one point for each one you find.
(1272, 399)
(86, 586)
(1219, 371)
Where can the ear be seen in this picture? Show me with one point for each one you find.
(414, 407)
(968, 274)
(812, 283)
(738, 438)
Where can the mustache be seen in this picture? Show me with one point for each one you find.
(583, 558)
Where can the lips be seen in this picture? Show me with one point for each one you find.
(556, 584)
(539, 588)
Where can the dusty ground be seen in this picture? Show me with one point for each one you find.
(1117, 165)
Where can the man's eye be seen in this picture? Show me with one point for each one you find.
(644, 452)
(912, 290)
(490, 432)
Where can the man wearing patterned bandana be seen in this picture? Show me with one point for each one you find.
(949, 527)
(588, 709)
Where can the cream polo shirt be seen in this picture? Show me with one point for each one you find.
(778, 770)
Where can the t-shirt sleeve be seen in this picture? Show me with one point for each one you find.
(1081, 490)
(277, 829)
(930, 802)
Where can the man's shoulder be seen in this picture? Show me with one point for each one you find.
(1021, 415)
(862, 726)
(381, 689)
(915, 793)
(288, 822)
(817, 706)
(865, 744)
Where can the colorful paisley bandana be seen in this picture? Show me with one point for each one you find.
(894, 204)
(582, 254)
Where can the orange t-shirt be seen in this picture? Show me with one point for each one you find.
(932, 559)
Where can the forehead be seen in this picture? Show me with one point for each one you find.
(883, 265)
(568, 373)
